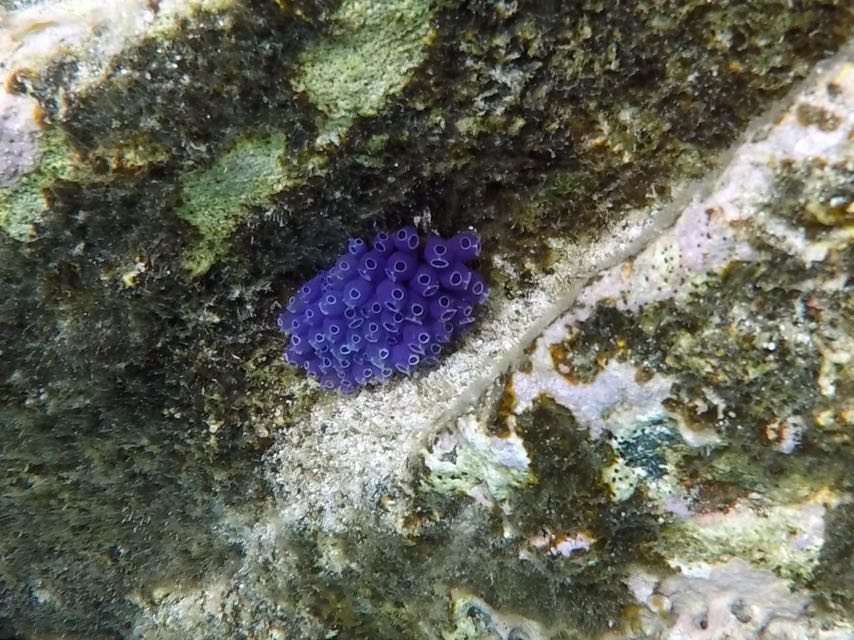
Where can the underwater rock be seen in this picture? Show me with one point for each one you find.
(650, 421)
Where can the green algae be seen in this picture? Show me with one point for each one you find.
(23, 206)
(764, 537)
(217, 198)
(478, 460)
(368, 58)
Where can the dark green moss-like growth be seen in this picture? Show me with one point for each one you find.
(108, 477)
(113, 483)
(200, 86)
(569, 498)
(833, 576)
(130, 497)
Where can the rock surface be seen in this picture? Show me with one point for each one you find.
(647, 434)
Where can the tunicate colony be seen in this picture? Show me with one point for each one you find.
(384, 309)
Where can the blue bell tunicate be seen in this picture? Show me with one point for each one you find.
(383, 308)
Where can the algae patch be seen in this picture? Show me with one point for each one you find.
(368, 56)
(470, 461)
(23, 205)
(217, 198)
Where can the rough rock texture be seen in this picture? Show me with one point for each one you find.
(650, 425)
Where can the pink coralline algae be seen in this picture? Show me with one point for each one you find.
(383, 309)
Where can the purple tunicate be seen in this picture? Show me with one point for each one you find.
(403, 359)
(356, 247)
(383, 308)
(311, 290)
(289, 322)
(464, 317)
(455, 278)
(300, 345)
(294, 358)
(406, 239)
(442, 308)
(321, 348)
(344, 269)
(416, 308)
(465, 246)
(383, 244)
(372, 332)
(311, 314)
(353, 318)
(364, 374)
(346, 265)
(296, 304)
(382, 374)
(329, 381)
(371, 326)
(377, 354)
(436, 252)
(354, 340)
(331, 304)
(357, 292)
(333, 329)
(400, 266)
(371, 308)
(442, 331)
(314, 367)
(317, 341)
(325, 364)
(425, 282)
(415, 337)
(342, 364)
(477, 291)
(390, 321)
(347, 386)
(392, 295)
(372, 266)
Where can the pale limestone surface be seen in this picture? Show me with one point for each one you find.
(34, 36)
(19, 138)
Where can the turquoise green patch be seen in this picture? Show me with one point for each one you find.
(218, 198)
(369, 56)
